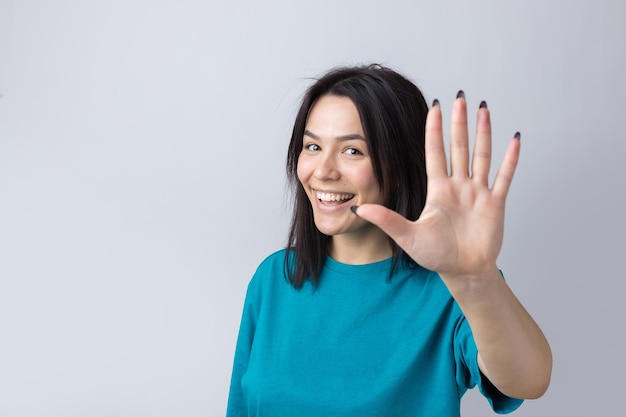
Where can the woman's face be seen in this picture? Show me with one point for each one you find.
(335, 167)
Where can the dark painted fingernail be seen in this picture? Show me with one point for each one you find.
(435, 103)
(460, 94)
(353, 209)
(483, 105)
(518, 135)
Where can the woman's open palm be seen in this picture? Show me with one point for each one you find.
(460, 230)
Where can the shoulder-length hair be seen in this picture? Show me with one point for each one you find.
(393, 115)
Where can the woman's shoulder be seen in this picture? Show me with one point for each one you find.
(273, 260)
(271, 269)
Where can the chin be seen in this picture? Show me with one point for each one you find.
(328, 231)
(340, 228)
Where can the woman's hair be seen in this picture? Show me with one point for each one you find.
(393, 115)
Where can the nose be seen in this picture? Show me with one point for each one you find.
(326, 168)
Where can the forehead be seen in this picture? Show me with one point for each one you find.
(334, 116)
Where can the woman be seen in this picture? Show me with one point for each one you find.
(387, 300)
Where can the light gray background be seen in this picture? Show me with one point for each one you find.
(142, 146)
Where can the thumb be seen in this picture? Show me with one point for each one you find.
(395, 225)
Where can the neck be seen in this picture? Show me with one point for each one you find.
(359, 250)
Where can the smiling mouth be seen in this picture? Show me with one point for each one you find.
(332, 197)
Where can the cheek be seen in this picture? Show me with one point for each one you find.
(370, 185)
(365, 178)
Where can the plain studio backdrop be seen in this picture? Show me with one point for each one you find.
(142, 153)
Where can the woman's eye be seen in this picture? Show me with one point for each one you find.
(352, 151)
(312, 147)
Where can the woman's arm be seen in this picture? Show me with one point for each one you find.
(459, 234)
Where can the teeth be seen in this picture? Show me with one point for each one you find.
(333, 197)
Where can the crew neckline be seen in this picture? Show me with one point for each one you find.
(383, 265)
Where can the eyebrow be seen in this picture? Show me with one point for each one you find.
(353, 136)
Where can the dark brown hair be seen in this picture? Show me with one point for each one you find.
(393, 115)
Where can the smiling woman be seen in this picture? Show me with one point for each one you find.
(389, 112)
(335, 170)
(387, 300)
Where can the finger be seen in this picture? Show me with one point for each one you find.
(390, 222)
(503, 180)
(459, 153)
(436, 165)
(481, 159)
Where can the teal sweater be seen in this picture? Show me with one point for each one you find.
(358, 344)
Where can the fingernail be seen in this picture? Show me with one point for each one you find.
(353, 209)
(483, 105)
(460, 94)
(435, 103)
(518, 135)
